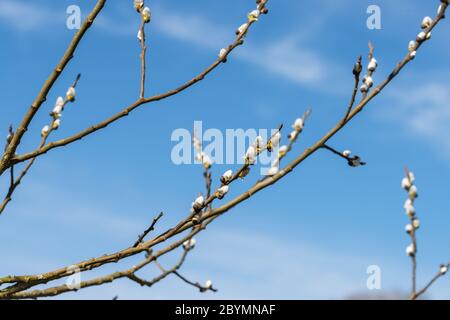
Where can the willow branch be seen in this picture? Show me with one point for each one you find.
(18, 291)
(164, 273)
(15, 183)
(208, 217)
(432, 281)
(147, 231)
(194, 284)
(356, 73)
(42, 96)
(143, 59)
(140, 102)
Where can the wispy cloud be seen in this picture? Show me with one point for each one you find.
(27, 16)
(286, 57)
(191, 29)
(424, 110)
(289, 59)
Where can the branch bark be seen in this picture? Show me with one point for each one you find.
(5, 162)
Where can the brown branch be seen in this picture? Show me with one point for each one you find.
(15, 183)
(369, 72)
(164, 273)
(25, 282)
(143, 57)
(208, 181)
(5, 162)
(409, 186)
(147, 231)
(18, 291)
(195, 284)
(356, 73)
(354, 161)
(412, 232)
(140, 102)
(432, 281)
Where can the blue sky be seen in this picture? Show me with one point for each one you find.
(313, 234)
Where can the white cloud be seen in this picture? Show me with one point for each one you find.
(285, 57)
(288, 59)
(424, 109)
(191, 29)
(26, 16)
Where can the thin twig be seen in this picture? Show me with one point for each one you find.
(5, 161)
(148, 230)
(143, 59)
(15, 183)
(356, 73)
(429, 284)
(195, 284)
(140, 102)
(23, 283)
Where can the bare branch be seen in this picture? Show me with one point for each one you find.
(140, 102)
(354, 161)
(42, 96)
(21, 284)
(356, 73)
(147, 231)
(443, 269)
(45, 133)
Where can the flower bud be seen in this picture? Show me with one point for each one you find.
(146, 14)
(406, 183)
(189, 244)
(197, 145)
(413, 192)
(411, 250)
(223, 54)
(138, 4)
(253, 16)
(409, 208)
(368, 81)
(45, 131)
(274, 141)
(346, 153)
(282, 151)
(412, 46)
(71, 94)
(293, 135)
(426, 22)
(222, 191)
(56, 123)
(409, 228)
(198, 204)
(57, 110)
(421, 36)
(242, 29)
(206, 161)
(226, 177)
(299, 124)
(250, 155)
(372, 65)
(258, 143)
(443, 269)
